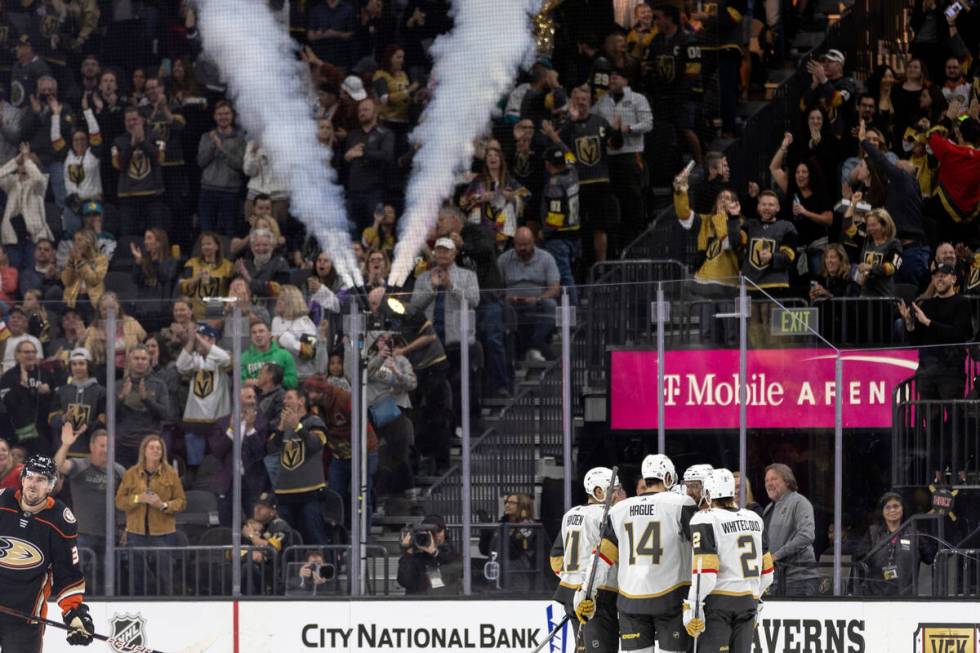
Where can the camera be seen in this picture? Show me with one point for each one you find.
(422, 535)
(326, 571)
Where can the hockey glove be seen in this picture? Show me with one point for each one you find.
(584, 606)
(80, 623)
(693, 625)
(758, 612)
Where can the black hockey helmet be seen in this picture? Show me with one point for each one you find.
(40, 465)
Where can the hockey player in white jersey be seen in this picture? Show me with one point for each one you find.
(572, 552)
(646, 536)
(694, 480)
(731, 550)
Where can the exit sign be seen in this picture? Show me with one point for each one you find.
(793, 321)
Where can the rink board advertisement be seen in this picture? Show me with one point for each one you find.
(516, 626)
(788, 388)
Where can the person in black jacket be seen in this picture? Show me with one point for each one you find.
(944, 319)
(26, 391)
(890, 569)
(429, 565)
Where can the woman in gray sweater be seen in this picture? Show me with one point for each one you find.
(390, 378)
(789, 524)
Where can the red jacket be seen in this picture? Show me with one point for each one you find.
(959, 170)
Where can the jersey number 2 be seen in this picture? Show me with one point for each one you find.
(749, 557)
(648, 544)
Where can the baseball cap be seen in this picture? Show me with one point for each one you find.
(354, 87)
(206, 329)
(25, 39)
(833, 55)
(92, 207)
(267, 499)
(80, 353)
(447, 243)
(944, 268)
(555, 156)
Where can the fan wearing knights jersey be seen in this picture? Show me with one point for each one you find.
(572, 552)
(730, 572)
(38, 559)
(647, 537)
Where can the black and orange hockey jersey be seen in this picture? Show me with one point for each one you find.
(38, 556)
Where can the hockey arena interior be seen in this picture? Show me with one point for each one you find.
(444, 325)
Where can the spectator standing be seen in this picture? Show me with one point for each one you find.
(265, 350)
(769, 245)
(46, 108)
(208, 402)
(369, 152)
(249, 312)
(24, 220)
(262, 182)
(294, 331)
(81, 403)
(390, 379)
(142, 405)
(220, 155)
(893, 568)
(641, 33)
(560, 222)
(517, 542)
(83, 168)
(428, 564)
(88, 481)
(382, 235)
(140, 186)
(525, 160)
(320, 287)
(704, 191)
(206, 275)
(10, 119)
(167, 123)
(301, 436)
(956, 205)
(151, 495)
(396, 94)
(832, 91)
(26, 392)
(84, 274)
(8, 282)
(26, 71)
(532, 282)
(881, 257)
(789, 522)
(329, 28)
(905, 98)
(834, 277)
(129, 332)
(154, 272)
(494, 199)
(421, 22)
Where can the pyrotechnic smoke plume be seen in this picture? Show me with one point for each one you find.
(475, 64)
(267, 83)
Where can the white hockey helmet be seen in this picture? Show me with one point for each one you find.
(697, 473)
(719, 484)
(659, 466)
(599, 477)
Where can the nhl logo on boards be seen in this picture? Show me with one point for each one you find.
(128, 632)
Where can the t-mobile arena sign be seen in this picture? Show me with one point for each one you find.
(788, 388)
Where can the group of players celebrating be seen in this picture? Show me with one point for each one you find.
(673, 565)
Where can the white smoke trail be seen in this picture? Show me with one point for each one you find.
(267, 83)
(475, 64)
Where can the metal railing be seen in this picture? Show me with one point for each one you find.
(860, 321)
(376, 567)
(936, 441)
(193, 571)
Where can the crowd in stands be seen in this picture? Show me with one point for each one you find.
(130, 190)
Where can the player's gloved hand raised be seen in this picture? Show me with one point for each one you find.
(81, 626)
(584, 606)
(693, 625)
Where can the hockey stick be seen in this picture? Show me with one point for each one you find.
(118, 644)
(561, 624)
(697, 600)
(607, 504)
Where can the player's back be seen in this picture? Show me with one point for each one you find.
(580, 528)
(730, 541)
(654, 555)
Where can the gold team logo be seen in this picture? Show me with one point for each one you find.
(49, 26)
(139, 166)
(587, 150)
(76, 173)
(714, 248)
(78, 415)
(873, 258)
(19, 554)
(293, 454)
(947, 638)
(758, 246)
(974, 278)
(665, 68)
(522, 164)
(203, 383)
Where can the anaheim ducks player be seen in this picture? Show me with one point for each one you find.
(646, 536)
(39, 559)
(694, 480)
(572, 553)
(732, 550)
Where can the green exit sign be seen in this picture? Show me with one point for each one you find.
(793, 321)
